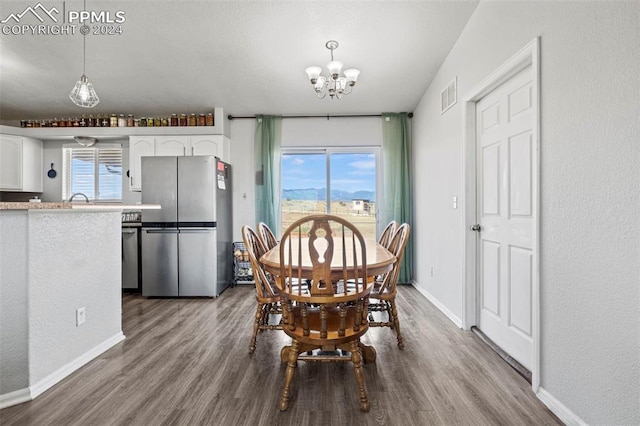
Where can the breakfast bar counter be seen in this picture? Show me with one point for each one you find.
(60, 291)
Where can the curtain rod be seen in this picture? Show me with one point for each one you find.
(328, 116)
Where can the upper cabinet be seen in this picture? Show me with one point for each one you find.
(171, 145)
(20, 164)
(192, 145)
(139, 146)
(217, 145)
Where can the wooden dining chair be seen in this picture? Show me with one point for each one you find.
(383, 296)
(329, 251)
(268, 237)
(266, 292)
(387, 234)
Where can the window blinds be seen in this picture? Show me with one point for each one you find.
(95, 172)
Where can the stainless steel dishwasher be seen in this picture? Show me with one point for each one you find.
(131, 252)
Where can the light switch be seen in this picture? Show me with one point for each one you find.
(455, 202)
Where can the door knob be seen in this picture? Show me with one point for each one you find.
(475, 227)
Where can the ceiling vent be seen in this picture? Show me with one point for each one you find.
(448, 96)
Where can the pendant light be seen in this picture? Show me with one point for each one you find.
(83, 93)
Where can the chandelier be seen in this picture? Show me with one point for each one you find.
(335, 84)
(83, 93)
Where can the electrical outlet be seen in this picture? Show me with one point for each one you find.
(81, 316)
(431, 272)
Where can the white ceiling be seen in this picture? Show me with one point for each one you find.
(245, 56)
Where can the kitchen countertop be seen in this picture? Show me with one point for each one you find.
(76, 206)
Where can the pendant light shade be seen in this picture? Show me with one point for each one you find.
(83, 93)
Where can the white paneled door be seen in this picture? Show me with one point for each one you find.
(505, 209)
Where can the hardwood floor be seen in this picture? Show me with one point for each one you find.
(186, 362)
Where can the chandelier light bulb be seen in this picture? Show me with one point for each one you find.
(313, 73)
(334, 68)
(341, 83)
(84, 92)
(319, 85)
(352, 75)
(333, 83)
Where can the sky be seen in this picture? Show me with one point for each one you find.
(349, 171)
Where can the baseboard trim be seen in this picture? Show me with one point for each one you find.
(14, 398)
(64, 371)
(28, 394)
(454, 318)
(567, 416)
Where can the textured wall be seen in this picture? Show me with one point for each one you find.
(74, 261)
(14, 368)
(242, 169)
(590, 194)
(53, 262)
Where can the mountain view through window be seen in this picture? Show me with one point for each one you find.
(342, 183)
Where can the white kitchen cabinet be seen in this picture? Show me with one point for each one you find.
(139, 146)
(171, 145)
(193, 145)
(218, 145)
(20, 164)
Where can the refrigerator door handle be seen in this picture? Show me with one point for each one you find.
(128, 231)
(161, 231)
(195, 231)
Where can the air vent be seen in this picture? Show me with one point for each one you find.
(448, 96)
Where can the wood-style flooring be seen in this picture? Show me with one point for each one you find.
(186, 362)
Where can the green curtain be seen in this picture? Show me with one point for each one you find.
(267, 166)
(397, 204)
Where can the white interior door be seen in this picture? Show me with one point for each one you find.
(506, 176)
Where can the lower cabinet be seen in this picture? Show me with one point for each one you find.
(140, 146)
(20, 164)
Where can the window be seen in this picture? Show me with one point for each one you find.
(338, 181)
(95, 172)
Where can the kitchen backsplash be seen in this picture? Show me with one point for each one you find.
(6, 197)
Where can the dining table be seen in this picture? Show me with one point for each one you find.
(379, 261)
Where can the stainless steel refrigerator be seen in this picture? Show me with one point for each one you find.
(186, 245)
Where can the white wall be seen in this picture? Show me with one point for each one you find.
(320, 132)
(590, 232)
(60, 260)
(61, 280)
(244, 210)
(14, 345)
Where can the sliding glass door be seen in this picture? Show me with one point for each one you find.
(342, 182)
